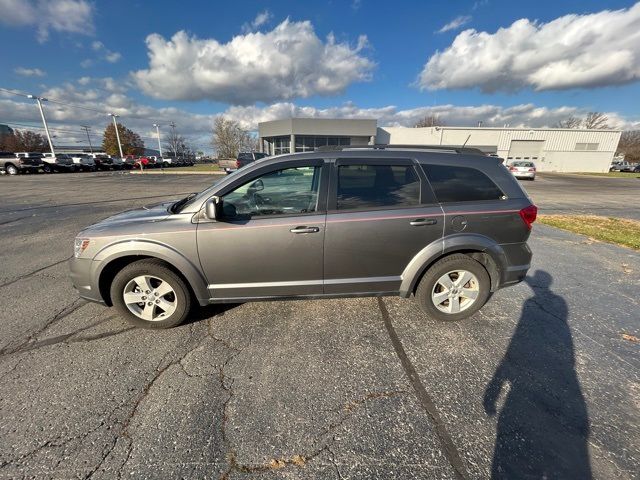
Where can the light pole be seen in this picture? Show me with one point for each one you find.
(86, 129)
(44, 120)
(115, 124)
(174, 140)
(158, 132)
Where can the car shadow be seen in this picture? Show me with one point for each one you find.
(199, 314)
(543, 425)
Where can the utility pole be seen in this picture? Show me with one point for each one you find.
(86, 129)
(174, 141)
(115, 124)
(44, 120)
(158, 132)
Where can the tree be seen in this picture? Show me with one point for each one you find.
(229, 138)
(429, 121)
(131, 142)
(569, 122)
(630, 145)
(176, 145)
(24, 141)
(596, 121)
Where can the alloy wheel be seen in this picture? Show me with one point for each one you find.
(150, 298)
(455, 291)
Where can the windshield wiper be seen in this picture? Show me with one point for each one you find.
(175, 208)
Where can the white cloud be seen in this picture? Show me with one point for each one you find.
(524, 115)
(112, 57)
(455, 23)
(108, 55)
(287, 62)
(261, 19)
(29, 72)
(73, 16)
(573, 51)
(86, 63)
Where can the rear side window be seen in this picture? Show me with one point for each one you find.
(373, 186)
(461, 184)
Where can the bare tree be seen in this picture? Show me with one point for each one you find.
(176, 145)
(630, 145)
(569, 122)
(229, 138)
(596, 121)
(429, 121)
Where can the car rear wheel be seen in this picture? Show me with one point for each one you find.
(46, 168)
(454, 288)
(150, 295)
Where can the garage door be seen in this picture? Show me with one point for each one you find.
(525, 149)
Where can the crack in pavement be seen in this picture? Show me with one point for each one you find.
(61, 314)
(30, 274)
(449, 448)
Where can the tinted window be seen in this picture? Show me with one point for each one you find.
(461, 184)
(371, 186)
(292, 191)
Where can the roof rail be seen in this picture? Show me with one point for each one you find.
(438, 148)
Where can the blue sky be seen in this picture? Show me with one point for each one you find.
(87, 53)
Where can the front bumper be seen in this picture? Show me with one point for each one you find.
(82, 279)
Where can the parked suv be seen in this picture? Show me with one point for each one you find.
(11, 164)
(60, 162)
(444, 226)
(230, 165)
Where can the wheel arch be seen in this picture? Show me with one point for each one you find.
(111, 260)
(482, 249)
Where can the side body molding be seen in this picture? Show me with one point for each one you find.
(445, 246)
(152, 248)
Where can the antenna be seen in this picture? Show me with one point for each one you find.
(465, 142)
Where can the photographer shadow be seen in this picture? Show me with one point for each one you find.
(543, 425)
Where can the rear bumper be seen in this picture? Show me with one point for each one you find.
(517, 263)
(525, 175)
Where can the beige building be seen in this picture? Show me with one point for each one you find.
(551, 149)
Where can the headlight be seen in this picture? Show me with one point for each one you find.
(79, 246)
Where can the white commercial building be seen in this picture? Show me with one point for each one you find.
(551, 149)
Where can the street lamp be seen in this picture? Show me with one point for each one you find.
(158, 132)
(44, 120)
(115, 124)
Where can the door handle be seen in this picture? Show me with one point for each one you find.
(423, 221)
(305, 230)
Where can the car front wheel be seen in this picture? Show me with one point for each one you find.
(454, 288)
(11, 169)
(150, 295)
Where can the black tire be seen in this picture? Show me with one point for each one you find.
(445, 265)
(11, 169)
(155, 268)
(46, 168)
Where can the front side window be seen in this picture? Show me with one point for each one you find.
(291, 191)
(461, 184)
(376, 186)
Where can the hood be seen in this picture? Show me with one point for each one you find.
(147, 214)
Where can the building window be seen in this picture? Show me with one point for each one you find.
(307, 143)
(587, 146)
(281, 145)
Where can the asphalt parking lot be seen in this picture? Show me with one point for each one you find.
(542, 380)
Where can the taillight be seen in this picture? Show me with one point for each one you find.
(237, 163)
(512, 169)
(532, 169)
(528, 215)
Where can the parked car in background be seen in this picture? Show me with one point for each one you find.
(230, 165)
(440, 225)
(129, 162)
(84, 162)
(141, 162)
(11, 164)
(621, 167)
(636, 169)
(117, 163)
(103, 161)
(60, 162)
(169, 162)
(523, 169)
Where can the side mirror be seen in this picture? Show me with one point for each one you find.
(213, 207)
(256, 186)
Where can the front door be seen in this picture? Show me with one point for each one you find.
(269, 241)
(381, 214)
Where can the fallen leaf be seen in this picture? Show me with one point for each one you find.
(631, 338)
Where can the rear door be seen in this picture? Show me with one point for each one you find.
(381, 213)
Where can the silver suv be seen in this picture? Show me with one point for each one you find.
(447, 226)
